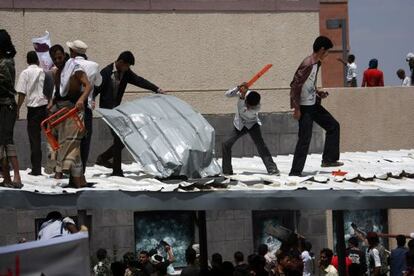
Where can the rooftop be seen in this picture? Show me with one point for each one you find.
(383, 179)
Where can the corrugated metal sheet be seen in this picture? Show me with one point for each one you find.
(166, 136)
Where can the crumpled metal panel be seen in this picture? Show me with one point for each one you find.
(166, 136)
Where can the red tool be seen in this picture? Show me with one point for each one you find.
(258, 75)
(51, 122)
(339, 173)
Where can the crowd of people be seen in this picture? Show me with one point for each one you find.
(364, 256)
(373, 76)
(294, 258)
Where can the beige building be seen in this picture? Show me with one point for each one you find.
(178, 50)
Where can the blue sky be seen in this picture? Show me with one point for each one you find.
(382, 29)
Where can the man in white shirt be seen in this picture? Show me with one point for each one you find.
(405, 80)
(30, 87)
(77, 50)
(351, 71)
(56, 226)
(246, 120)
(378, 258)
(327, 269)
(305, 99)
(307, 259)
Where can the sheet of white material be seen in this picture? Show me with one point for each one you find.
(381, 170)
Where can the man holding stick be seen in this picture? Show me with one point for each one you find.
(247, 120)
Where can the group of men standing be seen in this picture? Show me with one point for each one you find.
(76, 82)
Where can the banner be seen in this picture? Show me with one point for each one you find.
(41, 46)
(68, 255)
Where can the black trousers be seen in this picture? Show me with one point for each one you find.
(115, 152)
(35, 116)
(86, 140)
(309, 114)
(256, 135)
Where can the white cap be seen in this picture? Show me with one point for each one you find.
(409, 56)
(78, 46)
(68, 220)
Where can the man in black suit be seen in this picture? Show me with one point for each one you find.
(115, 78)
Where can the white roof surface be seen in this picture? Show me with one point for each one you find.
(383, 179)
(386, 171)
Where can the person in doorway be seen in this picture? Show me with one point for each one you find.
(378, 264)
(192, 268)
(358, 266)
(305, 99)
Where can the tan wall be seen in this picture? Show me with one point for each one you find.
(370, 118)
(373, 118)
(214, 51)
(400, 221)
(179, 50)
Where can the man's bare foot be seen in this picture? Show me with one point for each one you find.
(17, 179)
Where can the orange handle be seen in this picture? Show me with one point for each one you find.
(48, 124)
(259, 74)
(49, 119)
(73, 113)
(51, 139)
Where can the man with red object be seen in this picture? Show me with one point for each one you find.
(72, 90)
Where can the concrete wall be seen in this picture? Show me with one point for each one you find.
(400, 221)
(373, 118)
(178, 50)
(377, 118)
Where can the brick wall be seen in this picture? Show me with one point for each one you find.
(333, 70)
